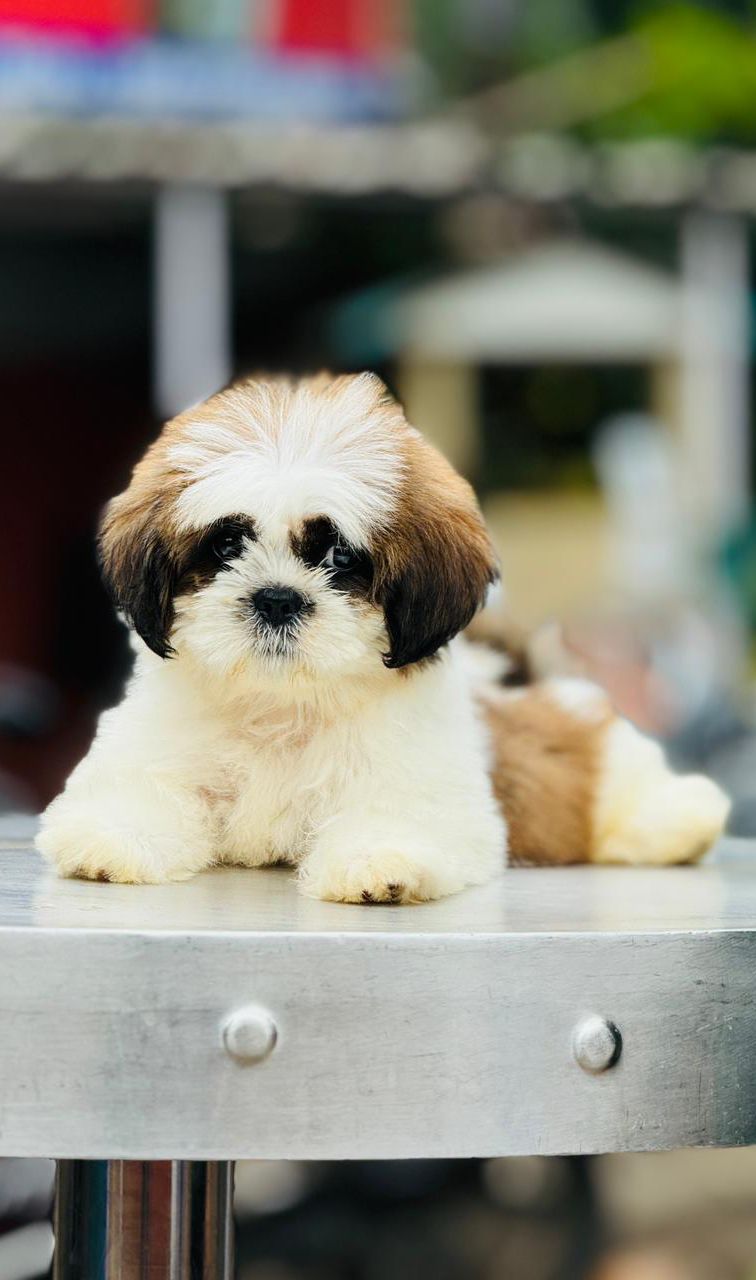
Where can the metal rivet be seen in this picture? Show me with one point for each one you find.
(250, 1034)
(596, 1044)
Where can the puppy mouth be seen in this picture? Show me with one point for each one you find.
(278, 642)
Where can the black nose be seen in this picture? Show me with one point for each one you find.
(278, 605)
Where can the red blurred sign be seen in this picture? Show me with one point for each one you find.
(353, 27)
(91, 17)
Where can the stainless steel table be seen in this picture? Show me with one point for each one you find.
(149, 1036)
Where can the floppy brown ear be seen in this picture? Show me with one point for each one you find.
(139, 569)
(436, 564)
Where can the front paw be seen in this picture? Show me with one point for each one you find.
(386, 876)
(93, 842)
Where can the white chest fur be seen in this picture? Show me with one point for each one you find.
(383, 782)
(273, 786)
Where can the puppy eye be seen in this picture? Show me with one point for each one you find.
(340, 558)
(228, 543)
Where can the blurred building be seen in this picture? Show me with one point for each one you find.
(123, 260)
(194, 190)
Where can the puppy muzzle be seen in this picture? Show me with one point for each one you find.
(279, 606)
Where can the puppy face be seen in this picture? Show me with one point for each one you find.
(296, 530)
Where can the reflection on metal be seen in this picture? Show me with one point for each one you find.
(143, 1220)
(202, 1220)
(81, 1198)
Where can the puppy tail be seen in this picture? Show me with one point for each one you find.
(579, 784)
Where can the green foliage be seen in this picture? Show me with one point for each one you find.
(692, 65)
(701, 78)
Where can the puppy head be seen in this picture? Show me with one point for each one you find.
(296, 530)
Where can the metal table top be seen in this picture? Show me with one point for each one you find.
(719, 894)
(439, 1030)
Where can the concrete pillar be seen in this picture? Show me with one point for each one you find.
(441, 400)
(192, 306)
(714, 353)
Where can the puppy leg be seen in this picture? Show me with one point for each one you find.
(579, 784)
(134, 830)
(414, 817)
(364, 857)
(124, 815)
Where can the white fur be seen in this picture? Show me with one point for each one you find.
(325, 456)
(644, 812)
(373, 788)
(583, 699)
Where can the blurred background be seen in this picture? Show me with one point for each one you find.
(534, 219)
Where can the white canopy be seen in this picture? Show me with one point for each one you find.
(568, 300)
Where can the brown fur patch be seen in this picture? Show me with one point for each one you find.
(141, 551)
(435, 562)
(545, 774)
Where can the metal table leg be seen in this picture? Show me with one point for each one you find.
(143, 1220)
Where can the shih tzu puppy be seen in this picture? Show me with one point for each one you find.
(297, 562)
